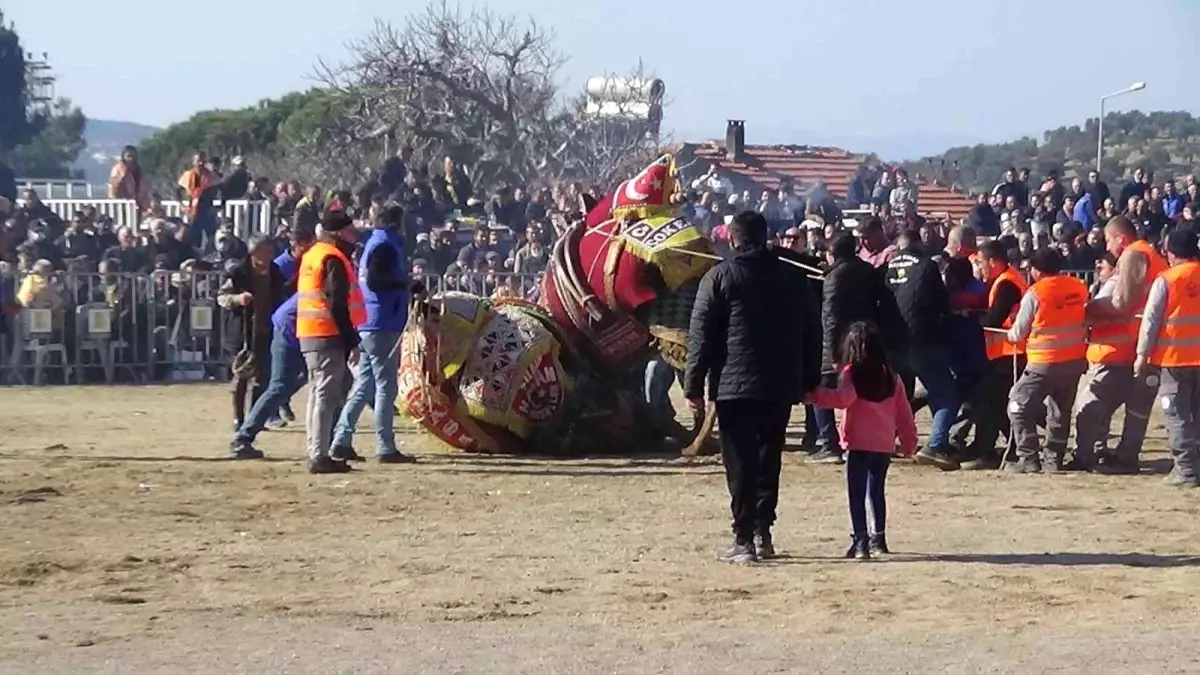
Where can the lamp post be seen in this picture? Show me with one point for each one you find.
(1136, 86)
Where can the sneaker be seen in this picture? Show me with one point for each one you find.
(396, 458)
(286, 414)
(939, 457)
(740, 553)
(328, 465)
(764, 547)
(860, 548)
(239, 450)
(1052, 464)
(345, 453)
(878, 543)
(1024, 465)
(1179, 479)
(827, 456)
(986, 462)
(275, 423)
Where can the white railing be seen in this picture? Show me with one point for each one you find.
(122, 211)
(249, 217)
(57, 188)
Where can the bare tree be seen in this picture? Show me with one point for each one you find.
(479, 87)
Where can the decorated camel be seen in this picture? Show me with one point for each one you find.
(565, 376)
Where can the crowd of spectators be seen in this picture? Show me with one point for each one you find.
(459, 237)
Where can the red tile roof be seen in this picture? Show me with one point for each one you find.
(767, 165)
(939, 201)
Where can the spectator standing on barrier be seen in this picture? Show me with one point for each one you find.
(759, 357)
(128, 181)
(384, 286)
(1111, 353)
(1050, 321)
(287, 373)
(1169, 341)
(852, 291)
(924, 302)
(199, 185)
(329, 311)
(249, 294)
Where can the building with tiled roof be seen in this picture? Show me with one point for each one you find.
(765, 167)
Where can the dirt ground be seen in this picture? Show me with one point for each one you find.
(130, 545)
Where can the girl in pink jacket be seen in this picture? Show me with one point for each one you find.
(877, 413)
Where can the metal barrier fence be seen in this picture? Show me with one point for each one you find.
(159, 327)
(249, 217)
(137, 328)
(92, 328)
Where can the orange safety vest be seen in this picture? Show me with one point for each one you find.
(997, 345)
(1116, 341)
(1179, 337)
(313, 316)
(1057, 334)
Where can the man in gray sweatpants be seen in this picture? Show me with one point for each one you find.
(326, 328)
(1050, 322)
(1169, 338)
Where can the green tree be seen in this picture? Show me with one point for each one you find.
(1165, 142)
(17, 123)
(52, 151)
(252, 132)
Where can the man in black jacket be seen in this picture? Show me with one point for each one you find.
(250, 293)
(924, 303)
(759, 356)
(853, 291)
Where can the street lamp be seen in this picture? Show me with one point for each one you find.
(1136, 86)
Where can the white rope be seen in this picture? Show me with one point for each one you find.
(819, 275)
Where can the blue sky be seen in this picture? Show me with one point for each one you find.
(899, 77)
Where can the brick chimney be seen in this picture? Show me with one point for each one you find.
(735, 140)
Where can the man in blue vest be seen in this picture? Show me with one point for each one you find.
(384, 284)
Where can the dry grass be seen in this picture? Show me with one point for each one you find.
(124, 531)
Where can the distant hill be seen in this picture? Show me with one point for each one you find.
(104, 139)
(1167, 143)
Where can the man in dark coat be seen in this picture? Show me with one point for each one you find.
(853, 291)
(759, 356)
(251, 291)
(924, 303)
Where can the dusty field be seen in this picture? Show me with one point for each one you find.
(128, 546)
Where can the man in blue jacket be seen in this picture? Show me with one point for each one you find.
(1085, 212)
(384, 283)
(287, 376)
(288, 261)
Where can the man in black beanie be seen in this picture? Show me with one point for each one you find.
(329, 311)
